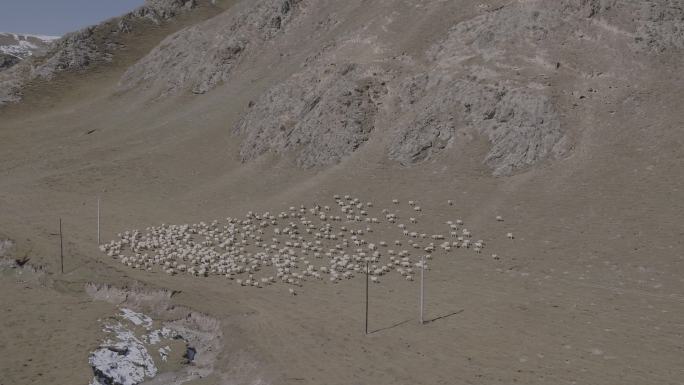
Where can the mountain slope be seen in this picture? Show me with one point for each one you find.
(96, 45)
(496, 74)
(562, 117)
(17, 47)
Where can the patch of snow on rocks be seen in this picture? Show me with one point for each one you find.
(124, 359)
(164, 352)
(137, 318)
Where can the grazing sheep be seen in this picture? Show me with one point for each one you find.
(237, 246)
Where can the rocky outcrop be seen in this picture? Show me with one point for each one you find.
(520, 123)
(7, 61)
(661, 25)
(79, 50)
(11, 82)
(139, 338)
(656, 25)
(467, 89)
(203, 56)
(16, 47)
(323, 114)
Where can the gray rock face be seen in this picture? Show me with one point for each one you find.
(519, 120)
(7, 61)
(520, 123)
(323, 113)
(467, 89)
(75, 51)
(201, 57)
(11, 81)
(661, 25)
(160, 10)
(16, 47)
(78, 50)
(460, 89)
(656, 25)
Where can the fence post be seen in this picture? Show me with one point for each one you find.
(422, 286)
(367, 270)
(61, 246)
(98, 221)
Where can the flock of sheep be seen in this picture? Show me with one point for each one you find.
(293, 246)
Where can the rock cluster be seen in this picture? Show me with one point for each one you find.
(323, 113)
(203, 56)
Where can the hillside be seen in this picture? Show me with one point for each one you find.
(563, 118)
(96, 45)
(17, 47)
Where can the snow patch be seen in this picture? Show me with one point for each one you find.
(22, 46)
(164, 352)
(124, 359)
(137, 318)
(20, 36)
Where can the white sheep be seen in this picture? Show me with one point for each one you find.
(237, 246)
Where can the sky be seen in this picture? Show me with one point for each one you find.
(57, 17)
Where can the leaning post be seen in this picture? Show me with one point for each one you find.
(61, 246)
